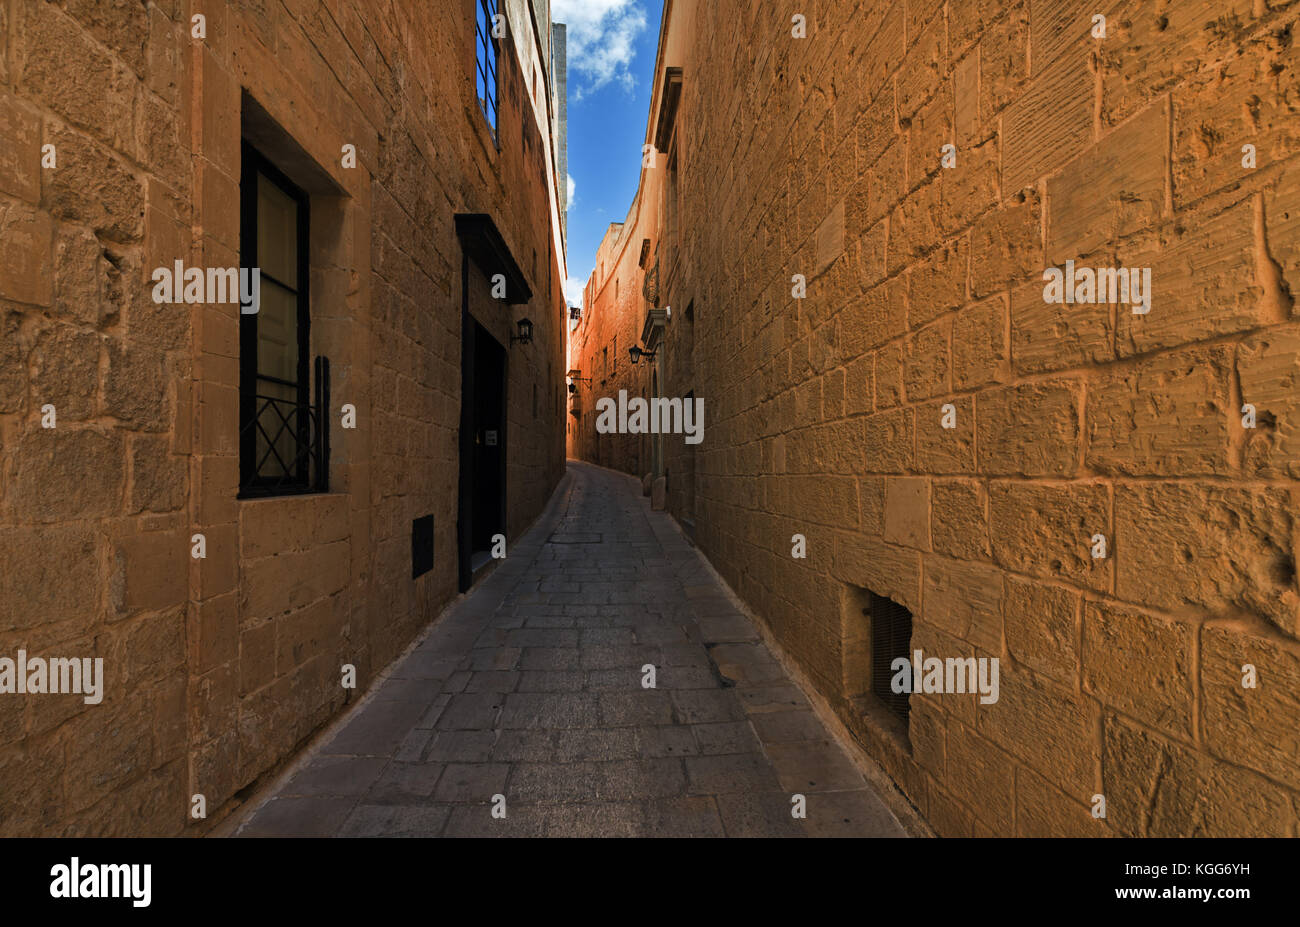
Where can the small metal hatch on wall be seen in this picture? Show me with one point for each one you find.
(421, 546)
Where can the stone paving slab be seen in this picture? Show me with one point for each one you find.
(527, 697)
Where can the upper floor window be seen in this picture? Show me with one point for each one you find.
(486, 60)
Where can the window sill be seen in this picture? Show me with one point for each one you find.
(262, 496)
(869, 714)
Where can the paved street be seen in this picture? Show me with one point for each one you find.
(531, 688)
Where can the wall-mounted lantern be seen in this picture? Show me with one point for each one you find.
(525, 335)
(636, 354)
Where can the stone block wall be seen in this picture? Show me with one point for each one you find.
(217, 669)
(1167, 141)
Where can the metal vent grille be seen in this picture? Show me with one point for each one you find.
(891, 638)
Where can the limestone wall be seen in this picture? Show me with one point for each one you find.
(217, 669)
(1127, 675)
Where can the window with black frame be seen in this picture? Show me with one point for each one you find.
(486, 61)
(283, 442)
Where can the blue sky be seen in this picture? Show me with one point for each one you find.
(611, 57)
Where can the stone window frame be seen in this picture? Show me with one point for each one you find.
(861, 667)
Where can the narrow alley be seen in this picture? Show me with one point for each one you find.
(647, 418)
(530, 687)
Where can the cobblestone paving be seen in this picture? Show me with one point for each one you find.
(531, 688)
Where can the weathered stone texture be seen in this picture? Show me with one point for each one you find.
(1210, 547)
(120, 152)
(1100, 510)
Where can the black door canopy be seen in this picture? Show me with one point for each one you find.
(482, 241)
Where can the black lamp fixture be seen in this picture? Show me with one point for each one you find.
(636, 354)
(525, 335)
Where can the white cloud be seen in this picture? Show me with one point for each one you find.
(573, 287)
(600, 36)
(570, 199)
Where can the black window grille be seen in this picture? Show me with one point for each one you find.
(486, 61)
(891, 638)
(284, 430)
